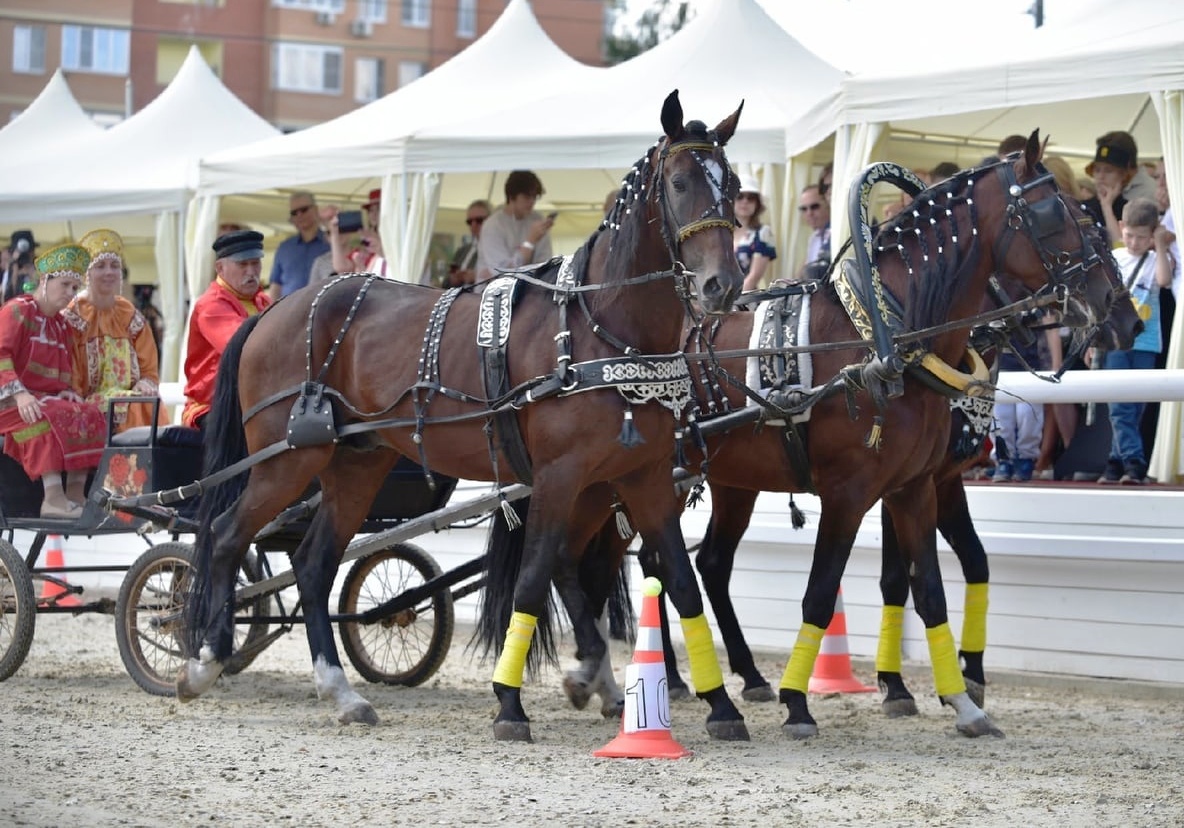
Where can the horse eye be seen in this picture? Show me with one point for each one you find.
(679, 184)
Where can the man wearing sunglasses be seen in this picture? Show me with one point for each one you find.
(815, 209)
(463, 269)
(295, 255)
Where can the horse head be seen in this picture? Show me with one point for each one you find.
(694, 196)
(1060, 250)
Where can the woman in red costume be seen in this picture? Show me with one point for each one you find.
(47, 427)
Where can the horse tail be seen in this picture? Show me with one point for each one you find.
(228, 447)
(503, 559)
(605, 556)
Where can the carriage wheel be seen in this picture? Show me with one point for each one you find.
(408, 647)
(18, 610)
(149, 616)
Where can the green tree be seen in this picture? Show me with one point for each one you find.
(629, 38)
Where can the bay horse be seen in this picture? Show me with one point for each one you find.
(594, 386)
(732, 512)
(936, 260)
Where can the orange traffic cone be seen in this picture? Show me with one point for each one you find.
(832, 669)
(51, 593)
(645, 724)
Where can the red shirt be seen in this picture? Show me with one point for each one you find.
(215, 318)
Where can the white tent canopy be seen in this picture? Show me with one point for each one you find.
(145, 164)
(52, 119)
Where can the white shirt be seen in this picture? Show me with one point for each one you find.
(499, 246)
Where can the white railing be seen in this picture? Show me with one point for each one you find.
(1093, 386)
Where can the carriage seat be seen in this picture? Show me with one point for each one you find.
(173, 436)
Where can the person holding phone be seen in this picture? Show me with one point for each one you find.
(515, 235)
(354, 239)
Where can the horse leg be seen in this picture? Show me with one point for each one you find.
(219, 552)
(894, 588)
(676, 687)
(837, 527)
(956, 526)
(584, 598)
(348, 487)
(659, 526)
(552, 508)
(914, 516)
(731, 511)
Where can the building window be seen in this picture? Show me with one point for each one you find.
(417, 13)
(410, 70)
(333, 6)
(466, 18)
(367, 79)
(93, 49)
(28, 49)
(299, 67)
(372, 10)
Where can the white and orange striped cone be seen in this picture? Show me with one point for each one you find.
(51, 593)
(832, 668)
(645, 724)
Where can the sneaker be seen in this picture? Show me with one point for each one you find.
(1003, 473)
(1023, 470)
(1135, 474)
(1113, 473)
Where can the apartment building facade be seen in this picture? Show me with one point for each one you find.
(295, 62)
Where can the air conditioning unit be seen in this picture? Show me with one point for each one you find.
(361, 28)
(326, 18)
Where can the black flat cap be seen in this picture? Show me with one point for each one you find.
(239, 246)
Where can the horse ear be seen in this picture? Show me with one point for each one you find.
(672, 116)
(727, 127)
(1033, 151)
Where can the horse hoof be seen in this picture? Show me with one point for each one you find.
(578, 693)
(760, 693)
(728, 731)
(358, 714)
(613, 710)
(899, 708)
(193, 679)
(512, 732)
(980, 727)
(976, 691)
(800, 730)
(678, 692)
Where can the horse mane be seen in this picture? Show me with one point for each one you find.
(937, 255)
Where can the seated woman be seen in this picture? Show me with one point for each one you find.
(47, 427)
(114, 350)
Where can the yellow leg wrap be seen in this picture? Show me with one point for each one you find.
(891, 636)
(801, 660)
(705, 671)
(511, 664)
(974, 622)
(946, 676)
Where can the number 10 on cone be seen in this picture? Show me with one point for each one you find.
(647, 698)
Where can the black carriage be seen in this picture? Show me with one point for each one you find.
(395, 616)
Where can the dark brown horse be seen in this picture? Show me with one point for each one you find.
(732, 512)
(387, 370)
(936, 260)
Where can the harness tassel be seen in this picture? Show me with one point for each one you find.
(630, 436)
(797, 518)
(512, 519)
(623, 528)
(696, 495)
(680, 456)
(873, 437)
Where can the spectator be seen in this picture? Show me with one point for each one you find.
(295, 255)
(1146, 265)
(752, 240)
(515, 235)
(145, 305)
(944, 170)
(114, 353)
(1019, 426)
(1117, 179)
(359, 251)
(19, 272)
(816, 211)
(1168, 220)
(824, 180)
(230, 299)
(463, 268)
(1011, 144)
(1062, 173)
(1086, 189)
(47, 427)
